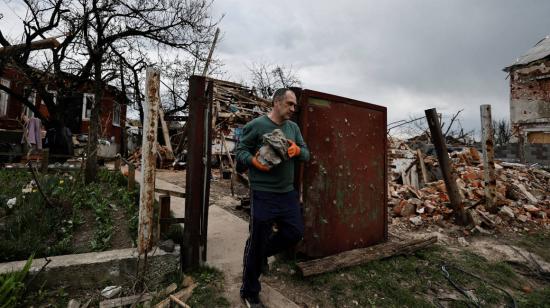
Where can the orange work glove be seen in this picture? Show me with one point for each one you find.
(256, 163)
(293, 149)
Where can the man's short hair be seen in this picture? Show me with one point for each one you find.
(280, 94)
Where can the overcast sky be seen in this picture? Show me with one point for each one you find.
(407, 55)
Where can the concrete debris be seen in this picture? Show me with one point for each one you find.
(111, 291)
(167, 245)
(523, 218)
(507, 211)
(463, 242)
(522, 191)
(73, 303)
(417, 220)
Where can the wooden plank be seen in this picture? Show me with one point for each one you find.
(178, 301)
(362, 256)
(422, 166)
(166, 134)
(182, 295)
(122, 301)
(207, 64)
(170, 192)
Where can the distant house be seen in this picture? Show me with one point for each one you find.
(530, 95)
(113, 106)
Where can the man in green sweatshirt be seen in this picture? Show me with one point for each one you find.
(273, 198)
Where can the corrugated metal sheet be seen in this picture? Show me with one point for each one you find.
(344, 183)
(540, 51)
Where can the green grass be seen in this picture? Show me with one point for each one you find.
(416, 281)
(208, 292)
(538, 243)
(33, 226)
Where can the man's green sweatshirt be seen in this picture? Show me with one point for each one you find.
(281, 177)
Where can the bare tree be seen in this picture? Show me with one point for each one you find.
(502, 132)
(266, 78)
(417, 127)
(102, 36)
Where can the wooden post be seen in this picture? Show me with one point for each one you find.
(231, 163)
(447, 169)
(422, 166)
(117, 163)
(148, 160)
(487, 144)
(131, 177)
(207, 64)
(165, 133)
(45, 160)
(164, 201)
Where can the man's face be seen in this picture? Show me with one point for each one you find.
(286, 106)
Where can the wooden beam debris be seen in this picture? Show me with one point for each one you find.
(422, 166)
(449, 174)
(182, 295)
(362, 256)
(123, 301)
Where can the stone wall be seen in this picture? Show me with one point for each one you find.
(534, 153)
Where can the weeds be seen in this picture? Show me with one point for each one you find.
(12, 286)
(209, 287)
(31, 226)
(416, 281)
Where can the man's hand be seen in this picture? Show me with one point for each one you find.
(293, 149)
(256, 163)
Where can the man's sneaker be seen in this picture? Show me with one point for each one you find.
(253, 301)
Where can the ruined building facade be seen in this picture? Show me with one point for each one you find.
(530, 104)
(530, 95)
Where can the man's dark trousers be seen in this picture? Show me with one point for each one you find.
(267, 208)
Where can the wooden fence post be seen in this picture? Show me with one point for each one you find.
(164, 213)
(148, 160)
(45, 160)
(131, 177)
(117, 163)
(487, 144)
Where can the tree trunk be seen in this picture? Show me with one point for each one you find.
(93, 131)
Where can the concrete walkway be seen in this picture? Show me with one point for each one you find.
(227, 235)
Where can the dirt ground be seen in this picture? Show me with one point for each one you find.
(83, 235)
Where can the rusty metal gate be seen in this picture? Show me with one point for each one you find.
(197, 181)
(344, 183)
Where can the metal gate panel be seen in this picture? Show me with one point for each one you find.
(344, 183)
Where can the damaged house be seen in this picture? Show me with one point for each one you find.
(113, 116)
(530, 99)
